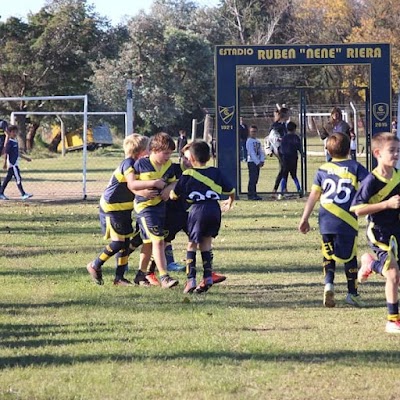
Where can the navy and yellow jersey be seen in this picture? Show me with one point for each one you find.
(145, 170)
(337, 181)
(202, 184)
(180, 205)
(117, 196)
(375, 189)
(12, 152)
(3, 127)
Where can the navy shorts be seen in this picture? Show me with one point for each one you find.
(341, 248)
(379, 243)
(151, 222)
(117, 224)
(204, 220)
(174, 223)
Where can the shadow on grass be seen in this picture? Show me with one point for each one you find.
(347, 356)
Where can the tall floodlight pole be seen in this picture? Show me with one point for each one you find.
(129, 108)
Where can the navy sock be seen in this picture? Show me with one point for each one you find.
(191, 264)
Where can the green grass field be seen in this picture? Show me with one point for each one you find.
(262, 334)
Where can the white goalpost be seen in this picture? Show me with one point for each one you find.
(84, 113)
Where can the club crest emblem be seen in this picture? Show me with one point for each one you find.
(226, 113)
(381, 111)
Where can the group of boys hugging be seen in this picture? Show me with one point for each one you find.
(167, 198)
(346, 190)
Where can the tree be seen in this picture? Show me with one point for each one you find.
(49, 55)
(171, 66)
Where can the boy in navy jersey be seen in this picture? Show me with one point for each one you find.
(379, 198)
(202, 187)
(116, 206)
(335, 185)
(151, 212)
(11, 164)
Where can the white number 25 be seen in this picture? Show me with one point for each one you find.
(341, 190)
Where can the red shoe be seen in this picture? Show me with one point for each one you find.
(366, 267)
(151, 277)
(217, 278)
(205, 284)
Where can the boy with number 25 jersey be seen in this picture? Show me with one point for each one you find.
(335, 185)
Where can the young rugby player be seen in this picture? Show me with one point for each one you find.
(151, 212)
(116, 206)
(379, 198)
(11, 164)
(202, 186)
(335, 185)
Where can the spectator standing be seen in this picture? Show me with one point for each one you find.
(243, 135)
(255, 161)
(288, 152)
(336, 124)
(182, 142)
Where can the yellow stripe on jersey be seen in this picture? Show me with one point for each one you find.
(207, 181)
(341, 172)
(387, 189)
(148, 203)
(316, 188)
(109, 207)
(122, 177)
(341, 214)
(157, 173)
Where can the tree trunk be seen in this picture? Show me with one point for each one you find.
(30, 136)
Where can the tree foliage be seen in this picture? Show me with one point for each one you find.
(168, 53)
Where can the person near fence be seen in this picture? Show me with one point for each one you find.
(288, 152)
(116, 206)
(243, 135)
(335, 186)
(255, 161)
(353, 145)
(274, 139)
(12, 156)
(202, 187)
(182, 142)
(151, 213)
(336, 124)
(378, 198)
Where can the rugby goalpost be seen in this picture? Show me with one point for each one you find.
(84, 113)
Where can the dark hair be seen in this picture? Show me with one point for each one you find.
(200, 151)
(291, 126)
(338, 145)
(161, 142)
(12, 128)
(253, 127)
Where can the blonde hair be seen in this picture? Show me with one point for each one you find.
(135, 144)
(379, 140)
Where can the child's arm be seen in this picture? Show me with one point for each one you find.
(304, 225)
(227, 204)
(135, 184)
(393, 203)
(165, 193)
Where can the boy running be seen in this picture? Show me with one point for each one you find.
(11, 164)
(335, 185)
(379, 198)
